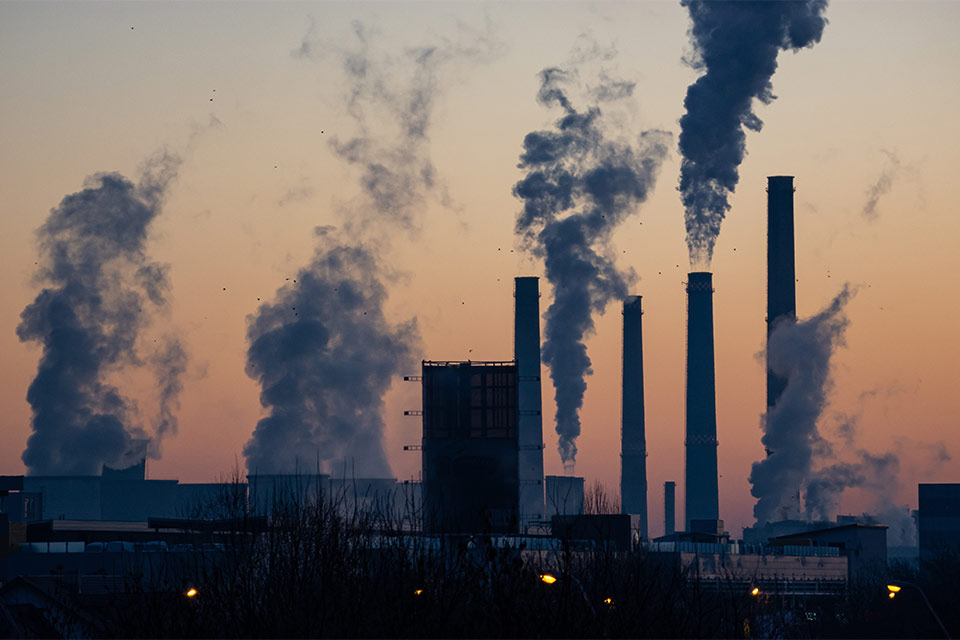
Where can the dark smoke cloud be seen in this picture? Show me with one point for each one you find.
(736, 45)
(882, 186)
(324, 352)
(579, 185)
(800, 352)
(100, 291)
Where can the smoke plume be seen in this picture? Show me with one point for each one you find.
(879, 475)
(324, 352)
(324, 355)
(823, 488)
(579, 185)
(883, 185)
(736, 44)
(100, 292)
(799, 352)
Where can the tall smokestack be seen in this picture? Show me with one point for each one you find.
(702, 492)
(669, 507)
(633, 440)
(781, 272)
(526, 351)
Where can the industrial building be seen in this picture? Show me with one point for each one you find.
(564, 496)
(864, 545)
(470, 447)
(938, 520)
(772, 570)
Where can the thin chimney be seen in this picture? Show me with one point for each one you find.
(702, 491)
(633, 458)
(669, 507)
(781, 270)
(526, 350)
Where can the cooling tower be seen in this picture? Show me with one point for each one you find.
(781, 273)
(526, 352)
(669, 507)
(701, 444)
(633, 447)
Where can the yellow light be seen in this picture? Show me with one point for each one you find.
(608, 601)
(191, 592)
(549, 579)
(418, 592)
(894, 588)
(892, 595)
(755, 591)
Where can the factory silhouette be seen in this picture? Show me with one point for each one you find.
(482, 492)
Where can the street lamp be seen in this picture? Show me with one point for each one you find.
(550, 579)
(894, 588)
(755, 591)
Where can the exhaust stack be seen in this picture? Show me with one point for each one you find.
(633, 448)
(701, 488)
(781, 270)
(669, 507)
(526, 352)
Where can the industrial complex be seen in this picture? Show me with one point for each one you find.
(483, 476)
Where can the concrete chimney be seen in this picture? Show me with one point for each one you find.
(781, 271)
(526, 351)
(701, 489)
(669, 507)
(633, 447)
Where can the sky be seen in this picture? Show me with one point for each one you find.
(93, 87)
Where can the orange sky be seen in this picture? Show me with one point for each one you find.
(85, 93)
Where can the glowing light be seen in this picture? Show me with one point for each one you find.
(894, 588)
(892, 595)
(547, 578)
(418, 592)
(755, 591)
(191, 592)
(608, 601)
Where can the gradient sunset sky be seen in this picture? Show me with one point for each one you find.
(93, 87)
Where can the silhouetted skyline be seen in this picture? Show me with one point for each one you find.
(401, 126)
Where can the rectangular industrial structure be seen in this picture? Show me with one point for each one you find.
(938, 520)
(564, 496)
(470, 447)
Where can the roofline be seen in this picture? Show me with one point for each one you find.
(854, 525)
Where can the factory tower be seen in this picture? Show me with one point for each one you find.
(526, 350)
(633, 448)
(781, 270)
(702, 491)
